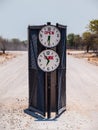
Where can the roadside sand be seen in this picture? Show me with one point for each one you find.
(7, 56)
(91, 57)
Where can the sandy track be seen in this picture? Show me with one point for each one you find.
(82, 97)
(13, 77)
(82, 89)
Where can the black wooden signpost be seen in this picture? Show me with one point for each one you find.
(47, 69)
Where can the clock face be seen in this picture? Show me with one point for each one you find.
(48, 60)
(49, 36)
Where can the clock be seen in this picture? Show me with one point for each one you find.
(48, 60)
(49, 36)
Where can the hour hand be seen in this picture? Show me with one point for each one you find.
(48, 40)
(47, 62)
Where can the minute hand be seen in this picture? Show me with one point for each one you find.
(47, 59)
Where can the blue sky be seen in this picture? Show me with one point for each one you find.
(16, 15)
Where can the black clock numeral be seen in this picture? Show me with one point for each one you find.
(55, 65)
(40, 64)
(48, 52)
(49, 28)
(58, 35)
(41, 56)
(57, 59)
(48, 68)
(39, 60)
(44, 54)
(43, 68)
(45, 29)
(52, 67)
(41, 35)
(53, 29)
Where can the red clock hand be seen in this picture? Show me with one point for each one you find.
(47, 59)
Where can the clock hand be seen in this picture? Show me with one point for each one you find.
(48, 40)
(46, 57)
(47, 62)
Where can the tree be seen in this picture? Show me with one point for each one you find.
(70, 39)
(91, 41)
(95, 42)
(77, 41)
(3, 43)
(93, 26)
(16, 43)
(87, 40)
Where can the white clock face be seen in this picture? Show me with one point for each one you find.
(48, 60)
(49, 36)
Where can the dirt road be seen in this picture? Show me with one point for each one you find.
(82, 89)
(13, 77)
(82, 97)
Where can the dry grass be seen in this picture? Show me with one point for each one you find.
(93, 60)
(91, 57)
(6, 57)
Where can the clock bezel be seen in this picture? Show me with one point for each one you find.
(54, 68)
(51, 46)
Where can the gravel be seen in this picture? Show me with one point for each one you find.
(82, 97)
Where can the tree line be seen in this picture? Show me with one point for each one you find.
(12, 45)
(88, 41)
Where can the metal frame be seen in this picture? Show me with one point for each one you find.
(47, 78)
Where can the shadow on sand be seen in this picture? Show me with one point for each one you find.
(39, 117)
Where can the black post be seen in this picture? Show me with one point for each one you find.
(56, 82)
(56, 92)
(48, 94)
(48, 90)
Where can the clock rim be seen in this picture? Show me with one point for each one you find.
(53, 69)
(58, 41)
